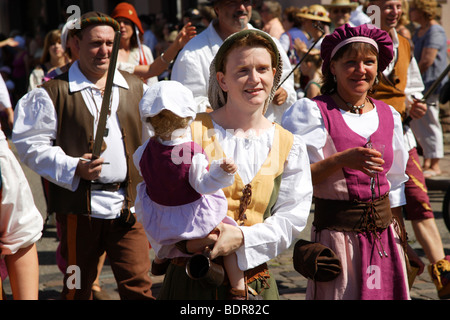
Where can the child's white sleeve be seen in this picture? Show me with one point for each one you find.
(207, 182)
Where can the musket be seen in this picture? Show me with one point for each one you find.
(106, 98)
(429, 92)
(317, 26)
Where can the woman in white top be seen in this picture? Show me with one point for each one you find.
(270, 198)
(134, 56)
(53, 57)
(358, 160)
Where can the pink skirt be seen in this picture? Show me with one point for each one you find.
(167, 225)
(365, 274)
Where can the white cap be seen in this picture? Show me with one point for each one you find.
(70, 24)
(168, 95)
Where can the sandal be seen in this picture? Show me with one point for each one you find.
(235, 294)
(98, 293)
(430, 173)
(247, 294)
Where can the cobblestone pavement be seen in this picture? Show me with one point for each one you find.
(292, 285)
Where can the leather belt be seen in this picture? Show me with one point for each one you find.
(112, 187)
(356, 216)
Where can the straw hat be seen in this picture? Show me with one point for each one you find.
(315, 12)
(341, 4)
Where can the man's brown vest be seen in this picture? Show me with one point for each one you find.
(75, 136)
(392, 90)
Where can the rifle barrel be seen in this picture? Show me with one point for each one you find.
(106, 98)
(430, 91)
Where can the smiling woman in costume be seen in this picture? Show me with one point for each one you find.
(358, 185)
(271, 196)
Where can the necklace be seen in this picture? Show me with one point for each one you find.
(353, 109)
(97, 109)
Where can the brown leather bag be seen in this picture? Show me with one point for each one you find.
(316, 261)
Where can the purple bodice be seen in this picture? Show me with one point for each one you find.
(166, 172)
(358, 183)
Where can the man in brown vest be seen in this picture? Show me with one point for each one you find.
(396, 86)
(93, 198)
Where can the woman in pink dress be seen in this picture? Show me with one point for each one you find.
(358, 162)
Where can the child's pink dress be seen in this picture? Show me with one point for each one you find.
(180, 199)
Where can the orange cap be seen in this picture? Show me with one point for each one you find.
(127, 11)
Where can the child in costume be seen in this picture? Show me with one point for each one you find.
(311, 68)
(180, 201)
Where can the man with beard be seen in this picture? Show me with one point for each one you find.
(398, 85)
(192, 66)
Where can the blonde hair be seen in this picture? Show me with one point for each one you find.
(250, 40)
(404, 19)
(166, 122)
(315, 58)
(249, 37)
(428, 7)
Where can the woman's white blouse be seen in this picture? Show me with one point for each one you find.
(264, 241)
(305, 119)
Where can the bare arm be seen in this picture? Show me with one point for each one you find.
(10, 117)
(312, 91)
(9, 42)
(162, 62)
(427, 58)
